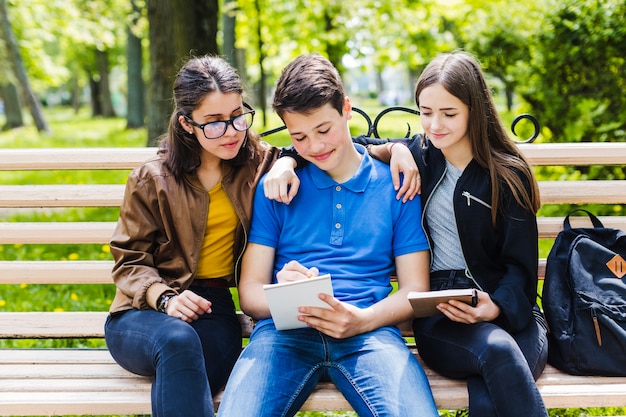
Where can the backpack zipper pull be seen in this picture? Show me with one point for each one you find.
(596, 326)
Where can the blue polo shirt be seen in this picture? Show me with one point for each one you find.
(351, 230)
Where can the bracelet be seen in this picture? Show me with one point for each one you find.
(394, 144)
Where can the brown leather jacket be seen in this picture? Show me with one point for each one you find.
(156, 243)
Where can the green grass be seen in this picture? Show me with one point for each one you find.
(80, 130)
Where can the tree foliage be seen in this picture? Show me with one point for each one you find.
(563, 61)
(579, 73)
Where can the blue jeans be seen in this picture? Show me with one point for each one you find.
(278, 370)
(500, 368)
(188, 361)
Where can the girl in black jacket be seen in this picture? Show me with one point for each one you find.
(480, 198)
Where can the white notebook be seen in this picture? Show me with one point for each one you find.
(285, 298)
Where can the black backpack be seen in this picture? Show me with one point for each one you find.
(584, 300)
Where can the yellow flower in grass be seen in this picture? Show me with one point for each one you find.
(22, 286)
(2, 303)
(59, 310)
(73, 256)
(106, 249)
(74, 297)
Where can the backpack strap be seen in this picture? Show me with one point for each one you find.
(594, 220)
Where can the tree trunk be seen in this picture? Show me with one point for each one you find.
(12, 108)
(229, 23)
(195, 27)
(263, 76)
(510, 91)
(178, 29)
(18, 67)
(76, 94)
(163, 65)
(134, 55)
(96, 103)
(102, 63)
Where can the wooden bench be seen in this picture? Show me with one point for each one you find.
(64, 381)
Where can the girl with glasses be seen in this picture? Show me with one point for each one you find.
(183, 226)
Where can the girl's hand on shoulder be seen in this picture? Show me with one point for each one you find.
(485, 310)
(281, 182)
(402, 162)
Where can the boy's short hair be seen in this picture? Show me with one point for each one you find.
(308, 83)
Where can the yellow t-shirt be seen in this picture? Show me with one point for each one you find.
(216, 255)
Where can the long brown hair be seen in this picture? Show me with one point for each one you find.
(460, 74)
(199, 77)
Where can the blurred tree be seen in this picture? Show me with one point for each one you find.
(15, 58)
(100, 37)
(229, 22)
(9, 94)
(405, 32)
(135, 113)
(177, 29)
(101, 85)
(11, 103)
(578, 74)
(498, 33)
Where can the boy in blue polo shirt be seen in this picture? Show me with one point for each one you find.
(346, 221)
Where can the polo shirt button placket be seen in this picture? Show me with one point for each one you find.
(337, 233)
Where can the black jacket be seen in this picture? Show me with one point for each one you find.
(502, 260)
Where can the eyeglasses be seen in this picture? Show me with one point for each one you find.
(214, 130)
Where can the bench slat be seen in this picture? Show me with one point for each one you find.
(549, 227)
(56, 272)
(128, 158)
(583, 192)
(35, 159)
(50, 403)
(561, 154)
(65, 195)
(78, 272)
(56, 232)
(101, 232)
(68, 324)
(43, 325)
(110, 195)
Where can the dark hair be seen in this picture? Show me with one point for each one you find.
(460, 74)
(308, 83)
(199, 77)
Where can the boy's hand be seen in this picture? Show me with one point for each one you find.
(295, 271)
(341, 321)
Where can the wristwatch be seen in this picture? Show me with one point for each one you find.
(163, 301)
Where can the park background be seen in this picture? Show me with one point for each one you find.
(93, 73)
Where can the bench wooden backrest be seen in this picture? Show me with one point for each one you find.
(109, 195)
(88, 381)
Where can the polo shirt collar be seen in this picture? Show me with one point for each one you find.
(356, 184)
